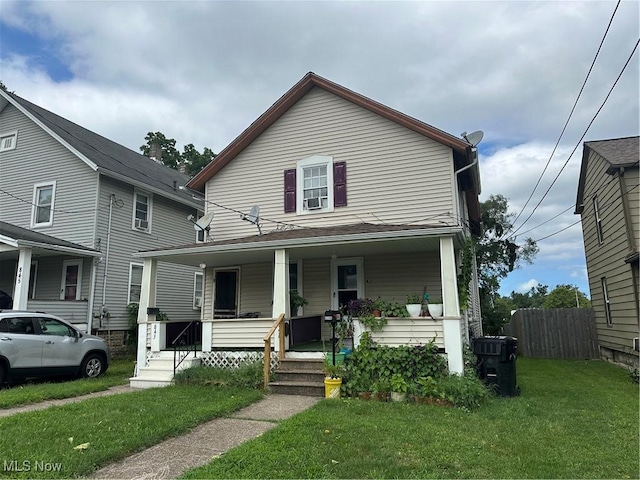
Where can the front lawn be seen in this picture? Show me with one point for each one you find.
(574, 419)
(75, 439)
(40, 390)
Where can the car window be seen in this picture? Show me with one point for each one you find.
(4, 325)
(51, 326)
(20, 325)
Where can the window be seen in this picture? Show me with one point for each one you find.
(197, 290)
(141, 212)
(8, 141)
(135, 282)
(317, 184)
(43, 200)
(51, 326)
(596, 213)
(607, 302)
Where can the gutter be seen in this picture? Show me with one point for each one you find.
(59, 248)
(304, 242)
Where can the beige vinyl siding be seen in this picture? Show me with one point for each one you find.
(393, 174)
(631, 180)
(256, 295)
(607, 259)
(38, 158)
(169, 226)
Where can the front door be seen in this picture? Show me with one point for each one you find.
(225, 295)
(347, 281)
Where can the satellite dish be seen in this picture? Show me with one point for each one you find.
(253, 217)
(473, 138)
(203, 223)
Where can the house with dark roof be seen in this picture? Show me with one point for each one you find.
(74, 207)
(337, 197)
(608, 202)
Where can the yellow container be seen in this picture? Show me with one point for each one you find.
(332, 387)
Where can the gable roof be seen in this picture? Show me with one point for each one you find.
(618, 152)
(106, 156)
(17, 236)
(460, 147)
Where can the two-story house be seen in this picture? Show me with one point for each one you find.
(74, 206)
(608, 202)
(338, 197)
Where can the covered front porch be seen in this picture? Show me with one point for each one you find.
(246, 286)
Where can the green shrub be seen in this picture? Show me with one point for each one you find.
(249, 375)
(635, 375)
(463, 391)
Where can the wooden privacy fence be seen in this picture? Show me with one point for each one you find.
(568, 333)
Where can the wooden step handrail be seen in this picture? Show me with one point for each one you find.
(267, 346)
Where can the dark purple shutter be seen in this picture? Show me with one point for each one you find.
(290, 190)
(340, 184)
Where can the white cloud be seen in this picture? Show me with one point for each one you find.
(526, 286)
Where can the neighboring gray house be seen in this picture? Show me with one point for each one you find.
(74, 206)
(609, 203)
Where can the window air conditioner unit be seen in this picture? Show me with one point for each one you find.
(314, 203)
(142, 224)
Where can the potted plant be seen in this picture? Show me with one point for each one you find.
(399, 388)
(295, 302)
(379, 307)
(380, 390)
(332, 379)
(435, 307)
(414, 305)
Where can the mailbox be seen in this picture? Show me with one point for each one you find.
(332, 316)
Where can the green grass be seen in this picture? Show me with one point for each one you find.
(112, 427)
(573, 420)
(37, 391)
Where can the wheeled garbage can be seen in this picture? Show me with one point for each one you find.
(496, 363)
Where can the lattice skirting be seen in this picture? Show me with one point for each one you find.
(222, 359)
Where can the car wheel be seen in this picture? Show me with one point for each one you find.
(92, 366)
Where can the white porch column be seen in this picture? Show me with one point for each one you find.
(147, 299)
(452, 323)
(281, 289)
(21, 291)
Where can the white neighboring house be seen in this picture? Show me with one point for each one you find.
(357, 200)
(74, 206)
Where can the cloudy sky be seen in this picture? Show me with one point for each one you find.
(201, 72)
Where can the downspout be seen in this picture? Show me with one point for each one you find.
(103, 310)
(474, 152)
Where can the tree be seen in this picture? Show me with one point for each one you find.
(190, 159)
(566, 296)
(495, 317)
(169, 154)
(497, 253)
(534, 298)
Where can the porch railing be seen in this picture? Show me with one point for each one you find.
(279, 322)
(184, 344)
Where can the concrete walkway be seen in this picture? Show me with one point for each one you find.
(63, 401)
(173, 457)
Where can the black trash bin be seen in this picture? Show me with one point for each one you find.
(496, 363)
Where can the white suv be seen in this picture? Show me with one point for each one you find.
(34, 344)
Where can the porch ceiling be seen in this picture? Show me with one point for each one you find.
(305, 246)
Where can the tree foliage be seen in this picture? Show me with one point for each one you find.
(498, 254)
(191, 161)
(566, 296)
(534, 298)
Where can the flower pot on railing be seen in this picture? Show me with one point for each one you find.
(414, 309)
(435, 309)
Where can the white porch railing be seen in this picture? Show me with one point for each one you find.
(235, 332)
(410, 331)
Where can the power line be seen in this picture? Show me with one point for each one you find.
(581, 138)
(119, 203)
(570, 114)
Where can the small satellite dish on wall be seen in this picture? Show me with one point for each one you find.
(253, 217)
(473, 138)
(203, 222)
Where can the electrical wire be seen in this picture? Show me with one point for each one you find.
(581, 138)
(570, 115)
(118, 203)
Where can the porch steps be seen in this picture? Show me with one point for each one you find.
(159, 372)
(299, 376)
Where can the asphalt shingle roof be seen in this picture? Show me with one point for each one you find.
(109, 156)
(619, 152)
(19, 233)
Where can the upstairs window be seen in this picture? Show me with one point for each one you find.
(141, 212)
(596, 213)
(43, 200)
(8, 141)
(317, 184)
